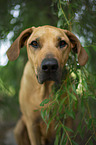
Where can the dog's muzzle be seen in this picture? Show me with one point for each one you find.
(49, 71)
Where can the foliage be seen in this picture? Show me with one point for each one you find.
(81, 87)
(80, 18)
(30, 13)
(80, 96)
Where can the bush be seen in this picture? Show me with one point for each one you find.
(76, 97)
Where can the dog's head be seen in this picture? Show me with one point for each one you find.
(48, 49)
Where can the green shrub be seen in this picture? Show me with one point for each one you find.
(78, 89)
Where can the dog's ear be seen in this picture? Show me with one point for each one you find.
(77, 48)
(14, 50)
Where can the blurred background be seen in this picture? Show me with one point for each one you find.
(17, 15)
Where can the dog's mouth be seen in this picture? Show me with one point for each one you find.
(49, 71)
(42, 77)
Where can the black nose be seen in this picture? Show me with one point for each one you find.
(49, 65)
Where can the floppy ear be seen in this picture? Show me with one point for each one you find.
(14, 50)
(82, 55)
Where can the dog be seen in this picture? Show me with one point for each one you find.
(48, 50)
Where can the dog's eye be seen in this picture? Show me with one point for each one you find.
(62, 43)
(34, 44)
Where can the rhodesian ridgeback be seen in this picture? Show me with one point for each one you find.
(48, 49)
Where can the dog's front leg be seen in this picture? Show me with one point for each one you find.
(34, 133)
(21, 133)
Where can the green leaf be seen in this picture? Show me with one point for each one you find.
(36, 110)
(90, 142)
(56, 126)
(73, 96)
(56, 140)
(62, 138)
(64, 3)
(43, 114)
(59, 129)
(45, 102)
(74, 143)
(74, 89)
(70, 113)
(48, 124)
(61, 104)
(67, 129)
(90, 123)
(58, 135)
(60, 12)
(60, 23)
